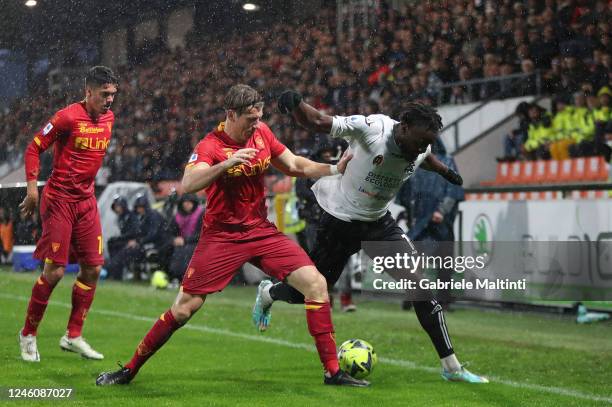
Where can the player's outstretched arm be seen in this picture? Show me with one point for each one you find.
(431, 163)
(290, 102)
(201, 175)
(296, 166)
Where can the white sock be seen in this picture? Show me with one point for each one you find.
(265, 295)
(450, 363)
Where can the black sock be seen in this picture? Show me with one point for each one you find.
(284, 292)
(431, 317)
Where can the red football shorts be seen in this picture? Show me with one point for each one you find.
(70, 230)
(215, 262)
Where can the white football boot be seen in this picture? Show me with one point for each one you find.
(78, 345)
(29, 350)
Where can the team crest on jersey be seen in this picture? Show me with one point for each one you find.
(228, 152)
(55, 247)
(259, 142)
(190, 271)
(378, 160)
(47, 129)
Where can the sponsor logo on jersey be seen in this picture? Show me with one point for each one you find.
(85, 128)
(89, 143)
(193, 157)
(190, 271)
(250, 170)
(369, 121)
(47, 129)
(55, 246)
(378, 160)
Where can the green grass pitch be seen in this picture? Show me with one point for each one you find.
(219, 359)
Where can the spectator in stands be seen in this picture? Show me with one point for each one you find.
(539, 133)
(513, 142)
(562, 128)
(432, 203)
(603, 122)
(123, 249)
(583, 127)
(6, 236)
(307, 206)
(153, 236)
(185, 231)
(423, 44)
(27, 229)
(528, 85)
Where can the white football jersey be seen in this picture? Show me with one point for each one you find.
(374, 175)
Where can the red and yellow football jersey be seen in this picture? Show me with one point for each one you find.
(80, 145)
(236, 201)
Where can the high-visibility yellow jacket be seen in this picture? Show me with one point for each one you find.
(539, 133)
(562, 123)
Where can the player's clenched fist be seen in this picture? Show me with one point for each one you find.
(288, 101)
(242, 156)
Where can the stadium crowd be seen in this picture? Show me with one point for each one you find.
(168, 101)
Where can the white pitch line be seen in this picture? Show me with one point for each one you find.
(296, 345)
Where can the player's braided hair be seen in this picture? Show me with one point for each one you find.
(100, 75)
(420, 115)
(242, 98)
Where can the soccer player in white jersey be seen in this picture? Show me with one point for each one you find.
(385, 153)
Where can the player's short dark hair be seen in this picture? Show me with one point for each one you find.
(100, 75)
(242, 98)
(421, 115)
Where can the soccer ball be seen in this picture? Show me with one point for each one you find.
(159, 280)
(357, 358)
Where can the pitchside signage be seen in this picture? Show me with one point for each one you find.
(563, 249)
(509, 251)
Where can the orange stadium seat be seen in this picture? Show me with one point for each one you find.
(596, 169)
(503, 173)
(579, 169)
(515, 172)
(527, 172)
(565, 173)
(539, 173)
(551, 172)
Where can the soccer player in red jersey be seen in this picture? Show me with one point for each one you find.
(229, 164)
(81, 133)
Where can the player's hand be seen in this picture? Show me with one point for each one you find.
(179, 241)
(242, 156)
(344, 160)
(29, 204)
(453, 177)
(288, 101)
(437, 217)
